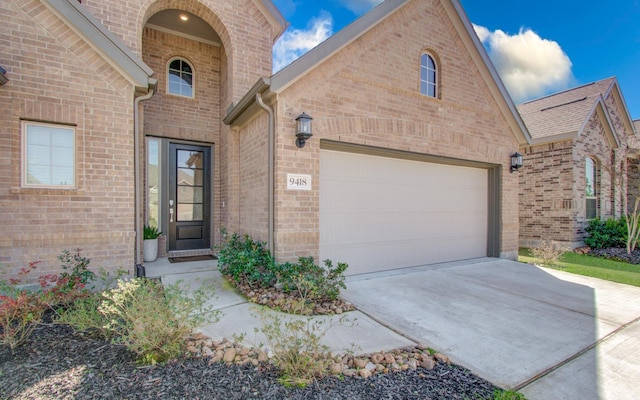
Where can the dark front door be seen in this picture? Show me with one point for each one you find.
(189, 197)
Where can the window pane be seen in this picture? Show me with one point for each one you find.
(430, 63)
(153, 183)
(180, 78)
(188, 194)
(590, 189)
(432, 90)
(50, 155)
(591, 209)
(432, 76)
(175, 64)
(423, 87)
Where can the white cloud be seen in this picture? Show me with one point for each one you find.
(294, 43)
(528, 65)
(360, 6)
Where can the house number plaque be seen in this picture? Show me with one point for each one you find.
(298, 182)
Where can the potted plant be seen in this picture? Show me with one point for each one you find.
(150, 243)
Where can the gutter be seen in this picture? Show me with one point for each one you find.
(271, 208)
(139, 268)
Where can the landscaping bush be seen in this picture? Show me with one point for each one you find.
(549, 252)
(150, 319)
(22, 305)
(608, 233)
(245, 260)
(311, 281)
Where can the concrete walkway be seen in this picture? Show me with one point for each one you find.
(551, 334)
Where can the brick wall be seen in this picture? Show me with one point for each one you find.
(56, 77)
(552, 194)
(368, 93)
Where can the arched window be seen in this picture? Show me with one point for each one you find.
(428, 76)
(180, 78)
(591, 189)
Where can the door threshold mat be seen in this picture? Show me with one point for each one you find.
(191, 258)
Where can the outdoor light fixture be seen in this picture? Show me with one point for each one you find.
(184, 17)
(516, 162)
(303, 129)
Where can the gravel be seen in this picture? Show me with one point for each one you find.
(58, 363)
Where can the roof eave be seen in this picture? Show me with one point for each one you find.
(488, 71)
(600, 108)
(554, 138)
(78, 18)
(247, 103)
(274, 16)
(620, 98)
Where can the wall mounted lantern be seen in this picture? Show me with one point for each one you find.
(516, 162)
(303, 129)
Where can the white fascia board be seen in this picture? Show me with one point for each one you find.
(77, 17)
(274, 16)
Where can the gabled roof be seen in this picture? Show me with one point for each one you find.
(564, 115)
(306, 63)
(78, 18)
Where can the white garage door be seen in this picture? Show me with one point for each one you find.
(379, 213)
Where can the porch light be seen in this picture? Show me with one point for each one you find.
(303, 129)
(516, 162)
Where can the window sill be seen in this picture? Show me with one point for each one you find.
(49, 191)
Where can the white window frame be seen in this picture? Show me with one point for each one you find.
(594, 195)
(428, 83)
(54, 151)
(193, 78)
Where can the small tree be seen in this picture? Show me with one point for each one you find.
(632, 219)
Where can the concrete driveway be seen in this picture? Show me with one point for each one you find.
(551, 334)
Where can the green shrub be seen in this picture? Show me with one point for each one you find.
(246, 260)
(608, 233)
(318, 283)
(151, 320)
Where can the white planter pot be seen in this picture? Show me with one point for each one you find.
(150, 249)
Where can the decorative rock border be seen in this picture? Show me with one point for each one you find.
(365, 366)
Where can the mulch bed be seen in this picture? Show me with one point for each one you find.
(616, 253)
(58, 363)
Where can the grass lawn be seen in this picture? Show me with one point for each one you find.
(597, 267)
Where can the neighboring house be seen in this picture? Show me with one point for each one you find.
(582, 147)
(122, 112)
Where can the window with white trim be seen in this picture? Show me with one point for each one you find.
(180, 78)
(428, 76)
(591, 189)
(49, 155)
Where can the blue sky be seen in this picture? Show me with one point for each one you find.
(538, 47)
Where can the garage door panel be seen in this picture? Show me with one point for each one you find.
(381, 213)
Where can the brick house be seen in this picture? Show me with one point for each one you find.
(582, 150)
(116, 114)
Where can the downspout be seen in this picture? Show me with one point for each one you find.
(139, 268)
(271, 196)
